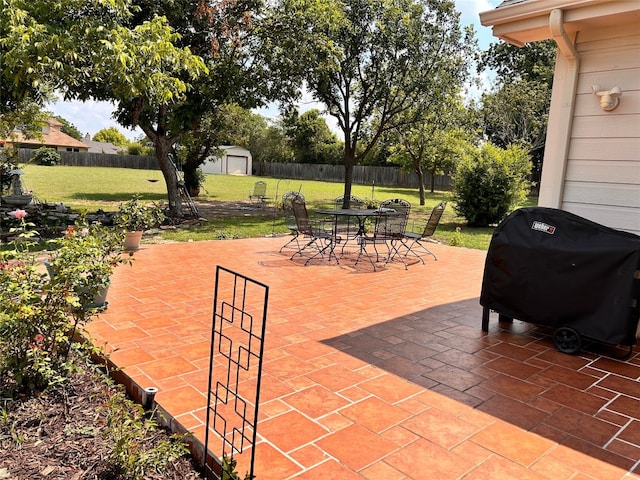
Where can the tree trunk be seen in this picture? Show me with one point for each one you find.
(348, 177)
(433, 180)
(163, 147)
(421, 185)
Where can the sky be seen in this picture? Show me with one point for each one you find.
(91, 116)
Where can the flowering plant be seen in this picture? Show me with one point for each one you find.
(87, 256)
(40, 315)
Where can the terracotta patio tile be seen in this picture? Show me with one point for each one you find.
(308, 456)
(575, 399)
(514, 412)
(329, 469)
(582, 426)
(382, 470)
(498, 468)
(591, 467)
(390, 388)
(424, 456)
(440, 428)
(568, 377)
(513, 443)
(513, 368)
(270, 464)
(290, 430)
(512, 387)
(375, 414)
(133, 356)
(399, 435)
(620, 384)
(336, 377)
(167, 367)
(315, 402)
(335, 422)
(454, 377)
(626, 406)
(631, 433)
(287, 367)
(181, 400)
(356, 446)
(552, 469)
(620, 368)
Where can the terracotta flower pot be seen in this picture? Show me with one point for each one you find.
(132, 241)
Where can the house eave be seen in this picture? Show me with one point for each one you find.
(528, 21)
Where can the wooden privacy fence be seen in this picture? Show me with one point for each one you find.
(362, 175)
(86, 159)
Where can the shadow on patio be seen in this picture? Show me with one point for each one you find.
(588, 402)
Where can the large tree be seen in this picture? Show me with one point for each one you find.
(224, 34)
(91, 49)
(370, 58)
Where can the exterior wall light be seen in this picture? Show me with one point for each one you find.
(609, 99)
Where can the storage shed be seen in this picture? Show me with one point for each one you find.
(232, 160)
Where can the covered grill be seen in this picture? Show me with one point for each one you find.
(550, 267)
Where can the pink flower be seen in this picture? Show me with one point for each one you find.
(84, 232)
(39, 338)
(19, 214)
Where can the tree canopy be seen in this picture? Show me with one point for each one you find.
(111, 135)
(366, 59)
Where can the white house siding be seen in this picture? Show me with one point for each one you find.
(602, 180)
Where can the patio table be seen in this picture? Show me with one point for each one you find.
(361, 214)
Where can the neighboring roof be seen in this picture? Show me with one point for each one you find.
(102, 147)
(524, 21)
(53, 138)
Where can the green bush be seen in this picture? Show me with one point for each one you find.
(46, 156)
(489, 182)
(41, 314)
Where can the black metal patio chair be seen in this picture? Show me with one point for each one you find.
(389, 230)
(320, 239)
(290, 219)
(413, 241)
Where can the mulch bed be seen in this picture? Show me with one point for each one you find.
(59, 436)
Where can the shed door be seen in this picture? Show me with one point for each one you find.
(237, 164)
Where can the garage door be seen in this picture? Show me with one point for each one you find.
(237, 164)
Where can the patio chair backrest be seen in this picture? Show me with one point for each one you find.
(354, 202)
(434, 220)
(259, 189)
(287, 209)
(301, 215)
(393, 225)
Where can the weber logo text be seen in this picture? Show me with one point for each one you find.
(543, 227)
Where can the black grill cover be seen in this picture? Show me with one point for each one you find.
(551, 267)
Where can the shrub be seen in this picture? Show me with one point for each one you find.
(489, 182)
(134, 216)
(46, 156)
(39, 315)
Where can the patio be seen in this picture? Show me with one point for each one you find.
(381, 375)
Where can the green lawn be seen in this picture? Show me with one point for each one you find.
(92, 188)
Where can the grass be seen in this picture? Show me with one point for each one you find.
(92, 188)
